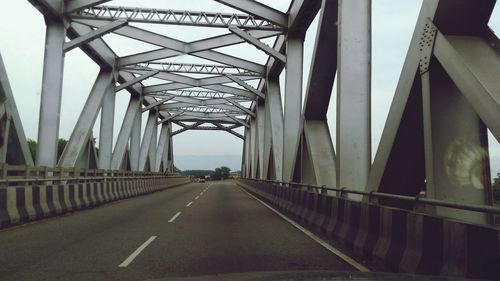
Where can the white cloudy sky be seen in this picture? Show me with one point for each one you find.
(22, 45)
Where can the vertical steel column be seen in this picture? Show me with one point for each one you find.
(162, 146)
(107, 126)
(146, 139)
(353, 94)
(275, 112)
(293, 104)
(247, 152)
(266, 143)
(135, 141)
(50, 102)
(170, 152)
(125, 130)
(261, 118)
(253, 148)
(153, 147)
(166, 152)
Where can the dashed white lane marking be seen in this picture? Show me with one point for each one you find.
(201, 194)
(130, 258)
(320, 241)
(189, 204)
(196, 198)
(174, 217)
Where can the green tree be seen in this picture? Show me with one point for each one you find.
(221, 173)
(32, 147)
(496, 188)
(61, 144)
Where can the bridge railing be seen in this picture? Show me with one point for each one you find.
(29, 193)
(19, 175)
(418, 202)
(391, 238)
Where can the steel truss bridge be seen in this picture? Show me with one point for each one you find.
(434, 143)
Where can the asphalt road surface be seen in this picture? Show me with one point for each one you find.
(192, 230)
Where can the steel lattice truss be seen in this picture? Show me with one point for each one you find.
(154, 15)
(179, 97)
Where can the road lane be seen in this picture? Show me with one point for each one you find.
(224, 231)
(88, 245)
(228, 231)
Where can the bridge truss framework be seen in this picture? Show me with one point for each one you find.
(435, 137)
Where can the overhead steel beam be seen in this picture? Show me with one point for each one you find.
(174, 47)
(239, 121)
(192, 68)
(129, 83)
(166, 119)
(75, 5)
(245, 85)
(229, 131)
(187, 118)
(188, 128)
(99, 32)
(244, 109)
(49, 8)
(182, 82)
(97, 49)
(157, 103)
(175, 17)
(258, 9)
(257, 43)
(183, 105)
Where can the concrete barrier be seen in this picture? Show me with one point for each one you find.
(22, 204)
(400, 240)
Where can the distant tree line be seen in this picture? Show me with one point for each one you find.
(198, 173)
(61, 144)
(218, 174)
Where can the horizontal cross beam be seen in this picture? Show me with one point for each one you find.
(175, 17)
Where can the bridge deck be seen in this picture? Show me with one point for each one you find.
(223, 231)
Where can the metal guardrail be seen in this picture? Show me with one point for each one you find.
(416, 200)
(26, 175)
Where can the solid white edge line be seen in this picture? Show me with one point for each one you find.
(320, 241)
(189, 204)
(130, 258)
(174, 217)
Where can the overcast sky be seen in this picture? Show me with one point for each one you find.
(22, 46)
